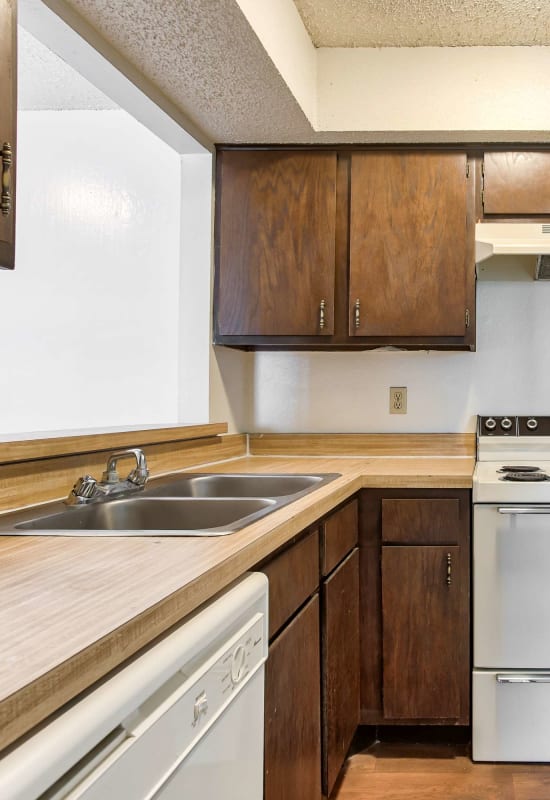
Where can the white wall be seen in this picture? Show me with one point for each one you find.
(434, 89)
(89, 318)
(196, 266)
(509, 373)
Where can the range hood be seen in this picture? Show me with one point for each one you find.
(501, 238)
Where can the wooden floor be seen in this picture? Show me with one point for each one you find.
(436, 772)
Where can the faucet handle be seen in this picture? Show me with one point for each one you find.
(84, 488)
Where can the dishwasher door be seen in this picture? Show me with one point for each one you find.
(182, 720)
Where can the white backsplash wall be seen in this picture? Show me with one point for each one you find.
(349, 392)
(89, 318)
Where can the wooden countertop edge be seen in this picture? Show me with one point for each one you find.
(35, 449)
(34, 702)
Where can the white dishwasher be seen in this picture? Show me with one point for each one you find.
(182, 721)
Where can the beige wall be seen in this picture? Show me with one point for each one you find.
(509, 374)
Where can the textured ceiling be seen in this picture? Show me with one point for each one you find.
(45, 82)
(425, 23)
(204, 57)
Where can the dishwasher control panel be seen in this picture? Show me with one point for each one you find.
(228, 672)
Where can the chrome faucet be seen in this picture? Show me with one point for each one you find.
(88, 490)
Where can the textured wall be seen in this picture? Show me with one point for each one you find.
(89, 317)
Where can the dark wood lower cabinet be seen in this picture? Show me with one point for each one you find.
(425, 633)
(415, 624)
(292, 710)
(340, 680)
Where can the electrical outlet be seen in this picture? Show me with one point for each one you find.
(398, 399)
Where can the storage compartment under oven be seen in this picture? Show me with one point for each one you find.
(511, 569)
(511, 716)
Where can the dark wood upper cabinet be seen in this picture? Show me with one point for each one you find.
(345, 249)
(411, 244)
(516, 183)
(276, 215)
(8, 125)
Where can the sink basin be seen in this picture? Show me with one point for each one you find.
(232, 485)
(189, 516)
(189, 504)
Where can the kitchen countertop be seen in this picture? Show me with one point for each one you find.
(75, 608)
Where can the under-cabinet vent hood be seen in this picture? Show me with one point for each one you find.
(499, 238)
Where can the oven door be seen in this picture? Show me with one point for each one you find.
(511, 570)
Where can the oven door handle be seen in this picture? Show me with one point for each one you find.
(534, 678)
(524, 510)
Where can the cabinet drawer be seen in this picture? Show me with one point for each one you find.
(293, 577)
(338, 536)
(421, 521)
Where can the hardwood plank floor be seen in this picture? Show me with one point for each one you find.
(389, 771)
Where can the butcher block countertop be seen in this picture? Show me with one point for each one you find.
(73, 609)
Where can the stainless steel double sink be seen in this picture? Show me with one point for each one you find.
(189, 504)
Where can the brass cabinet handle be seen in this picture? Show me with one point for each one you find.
(5, 203)
(449, 569)
(322, 306)
(357, 313)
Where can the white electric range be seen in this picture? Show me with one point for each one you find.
(511, 590)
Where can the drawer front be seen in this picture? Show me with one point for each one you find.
(421, 521)
(339, 534)
(293, 577)
(510, 713)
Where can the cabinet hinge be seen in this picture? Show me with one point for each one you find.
(467, 317)
(482, 185)
(467, 169)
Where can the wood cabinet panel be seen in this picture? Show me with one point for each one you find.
(293, 577)
(425, 633)
(8, 124)
(339, 534)
(340, 679)
(516, 183)
(411, 244)
(275, 243)
(292, 710)
(421, 521)
(411, 594)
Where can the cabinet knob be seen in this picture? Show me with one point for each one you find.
(5, 203)
(357, 313)
(322, 306)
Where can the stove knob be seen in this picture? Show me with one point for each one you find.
(490, 424)
(506, 424)
(532, 424)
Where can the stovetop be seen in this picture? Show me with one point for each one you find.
(513, 460)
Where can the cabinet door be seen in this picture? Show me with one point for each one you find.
(340, 647)
(292, 710)
(8, 120)
(425, 633)
(276, 216)
(411, 245)
(516, 182)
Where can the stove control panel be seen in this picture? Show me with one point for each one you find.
(497, 426)
(513, 426)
